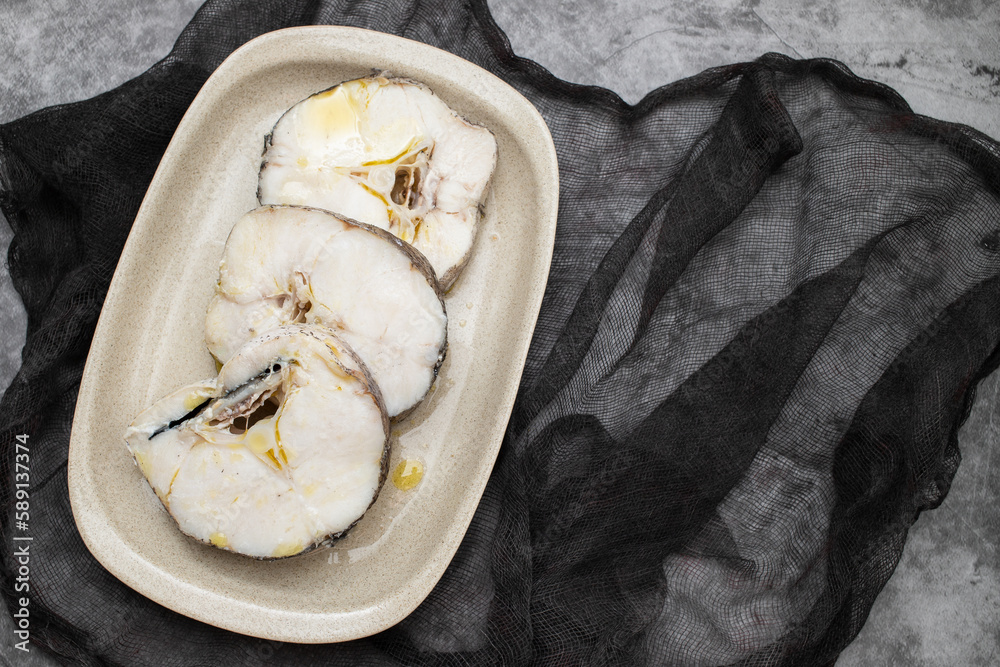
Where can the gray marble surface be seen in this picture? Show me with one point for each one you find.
(942, 606)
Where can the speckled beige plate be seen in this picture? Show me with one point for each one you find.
(149, 341)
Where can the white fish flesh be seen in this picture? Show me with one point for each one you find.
(286, 264)
(283, 452)
(388, 152)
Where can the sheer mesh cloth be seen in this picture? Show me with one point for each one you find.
(773, 292)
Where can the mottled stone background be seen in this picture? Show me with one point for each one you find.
(942, 606)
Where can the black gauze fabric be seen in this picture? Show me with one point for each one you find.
(773, 292)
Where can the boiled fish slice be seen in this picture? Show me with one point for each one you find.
(286, 264)
(283, 452)
(388, 152)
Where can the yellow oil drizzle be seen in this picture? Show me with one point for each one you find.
(287, 549)
(257, 442)
(219, 539)
(408, 474)
(274, 459)
(403, 153)
(191, 401)
(143, 462)
(172, 480)
(268, 450)
(389, 210)
(332, 114)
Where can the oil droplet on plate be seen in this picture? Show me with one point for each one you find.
(408, 474)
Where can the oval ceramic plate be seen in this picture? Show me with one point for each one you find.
(150, 341)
